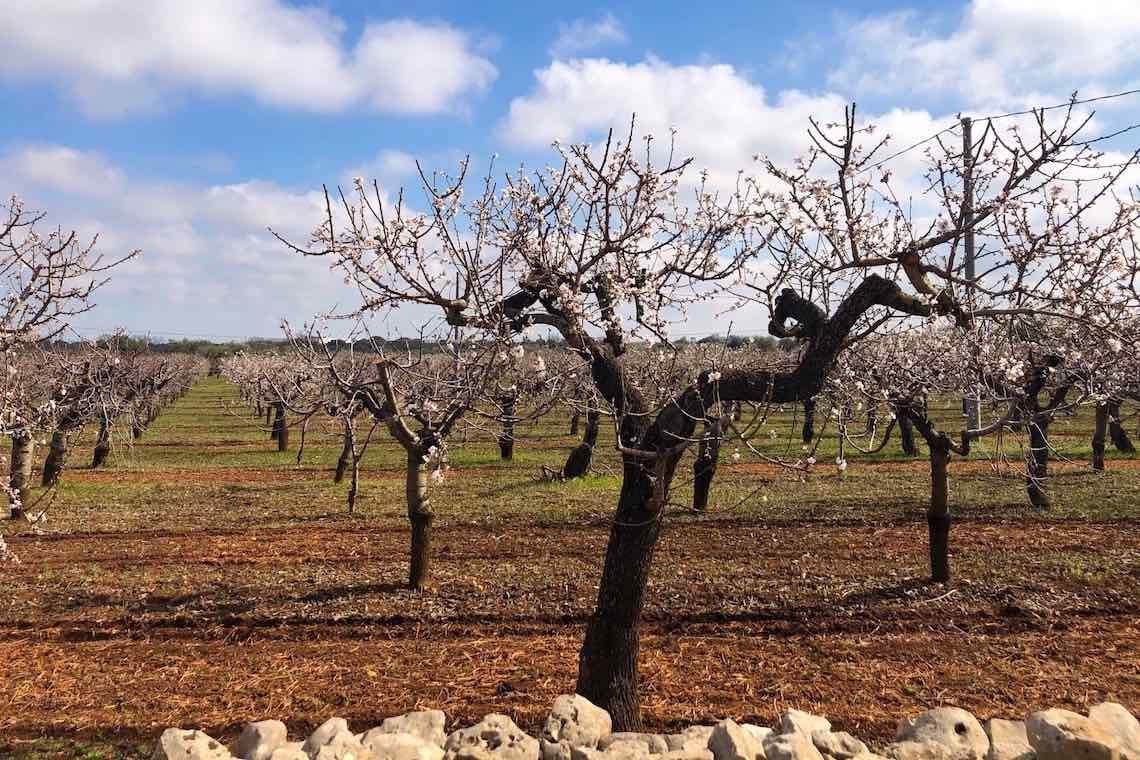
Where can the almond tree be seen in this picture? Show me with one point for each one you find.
(616, 240)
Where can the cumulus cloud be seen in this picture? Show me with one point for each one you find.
(208, 264)
(120, 56)
(999, 53)
(722, 118)
(582, 35)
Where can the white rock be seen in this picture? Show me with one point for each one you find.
(290, 751)
(177, 744)
(838, 744)
(385, 745)
(685, 754)
(260, 738)
(655, 743)
(623, 749)
(1121, 724)
(574, 721)
(692, 739)
(324, 733)
(794, 745)
(949, 727)
(729, 741)
(426, 724)
(760, 732)
(920, 751)
(1064, 735)
(1008, 740)
(341, 746)
(800, 722)
(497, 735)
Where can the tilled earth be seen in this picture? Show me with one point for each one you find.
(111, 635)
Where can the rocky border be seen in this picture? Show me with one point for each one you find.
(578, 730)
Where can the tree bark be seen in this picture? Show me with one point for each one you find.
(56, 458)
(575, 421)
(906, 436)
(581, 456)
(607, 665)
(269, 420)
(346, 454)
(102, 443)
(1100, 435)
(807, 433)
(420, 516)
(280, 426)
(704, 466)
(1116, 430)
(20, 473)
(938, 515)
(507, 436)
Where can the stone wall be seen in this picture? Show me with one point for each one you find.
(577, 730)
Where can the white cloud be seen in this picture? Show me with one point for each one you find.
(999, 53)
(582, 35)
(722, 119)
(119, 56)
(209, 264)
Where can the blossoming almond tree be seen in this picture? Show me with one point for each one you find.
(614, 241)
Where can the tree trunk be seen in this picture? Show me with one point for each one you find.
(1038, 464)
(280, 426)
(578, 463)
(507, 436)
(20, 474)
(1116, 430)
(807, 434)
(269, 421)
(1100, 434)
(938, 515)
(102, 443)
(56, 459)
(346, 454)
(575, 421)
(354, 482)
(906, 436)
(704, 466)
(607, 664)
(420, 516)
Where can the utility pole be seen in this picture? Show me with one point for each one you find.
(971, 405)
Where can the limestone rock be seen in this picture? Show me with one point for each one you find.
(385, 745)
(289, 751)
(324, 733)
(176, 744)
(426, 724)
(729, 741)
(497, 735)
(793, 745)
(1008, 740)
(760, 732)
(574, 721)
(341, 746)
(800, 722)
(1121, 724)
(692, 739)
(1064, 735)
(948, 727)
(920, 751)
(655, 743)
(838, 744)
(259, 739)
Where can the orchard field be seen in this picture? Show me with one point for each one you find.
(203, 578)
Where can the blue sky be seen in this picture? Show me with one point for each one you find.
(185, 129)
